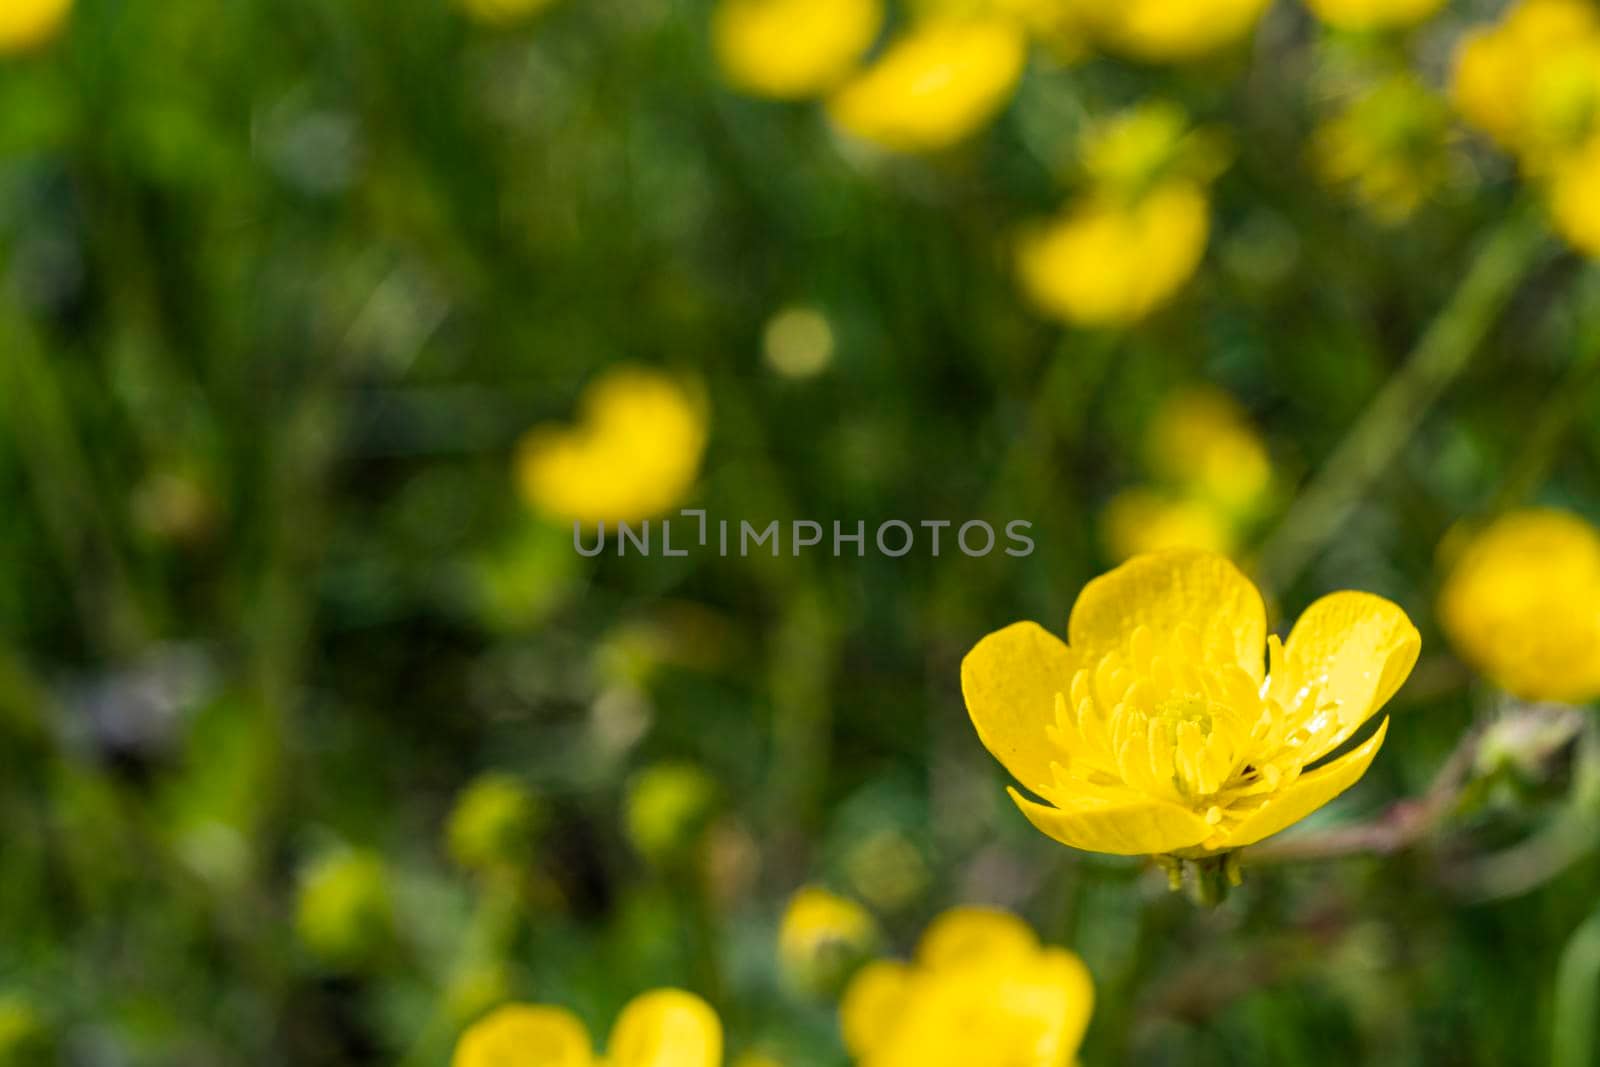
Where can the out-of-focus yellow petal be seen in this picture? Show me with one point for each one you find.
(792, 49)
(1050, 1007)
(1110, 262)
(1170, 30)
(666, 1028)
(1168, 591)
(1575, 198)
(634, 454)
(1135, 828)
(934, 86)
(1026, 1011)
(1363, 15)
(1351, 651)
(1307, 793)
(1010, 680)
(872, 1003)
(525, 1035)
(1522, 604)
(971, 935)
(1141, 520)
(28, 24)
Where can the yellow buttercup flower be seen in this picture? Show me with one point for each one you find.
(935, 85)
(982, 992)
(821, 935)
(1531, 81)
(662, 1028)
(1575, 198)
(1388, 145)
(1373, 14)
(1155, 730)
(792, 49)
(503, 12)
(1141, 520)
(634, 454)
(1109, 261)
(1522, 604)
(1170, 30)
(29, 24)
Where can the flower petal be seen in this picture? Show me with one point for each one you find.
(1010, 680)
(666, 1028)
(1166, 591)
(1137, 827)
(1064, 1001)
(872, 1005)
(1307, 793)
(1357, 649)
(531, 1034)
(969, 935)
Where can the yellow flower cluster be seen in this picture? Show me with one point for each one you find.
(981, 992)
(1137, 231)
(1522, 604)
(1210, 477)
(1532, 83)
(29, 24)
(956, 64)
(1388, 145)
(634, 454)
(662, 1028)
(1155, 730)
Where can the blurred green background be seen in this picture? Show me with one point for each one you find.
(285, 282)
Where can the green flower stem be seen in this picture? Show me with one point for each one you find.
(1502, 260)
(1573, 1043)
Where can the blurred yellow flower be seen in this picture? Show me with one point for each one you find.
(982, 992)
(635, 453)
(1202, 441)
(1575, 197)
(667, 807)
(1532, 81)
(935, 85)
(1141, 520)
(662, 1028)
(344, 914)
(1170, 30)
(821, 936)
(493, 824)
(29, 24)
(1388, 145)
(1373, 14)
(1155, 729)
(503, 12)
(792, 49)
(1109, 261)
(1522, 604)
(1139, 147)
